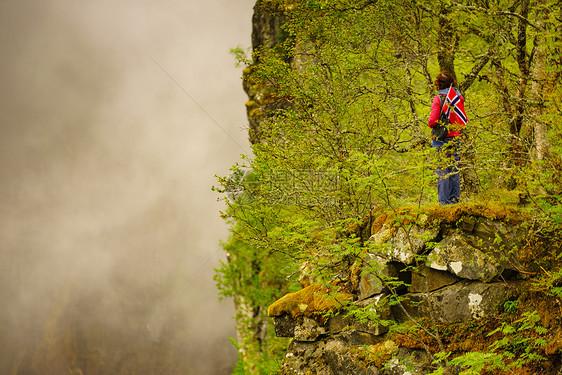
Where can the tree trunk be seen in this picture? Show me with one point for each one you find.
(447, 44)
(470, 180)
(539, 127)
(517, 152)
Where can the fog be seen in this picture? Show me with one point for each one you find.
(115, 117)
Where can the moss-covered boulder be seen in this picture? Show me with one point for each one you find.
(312, 301)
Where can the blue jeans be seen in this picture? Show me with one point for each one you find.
(448, 181)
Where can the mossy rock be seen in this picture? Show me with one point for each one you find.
(429, 215)
(314, 300)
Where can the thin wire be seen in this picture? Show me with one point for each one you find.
(197, 103)
(175, 293)
(188, 280)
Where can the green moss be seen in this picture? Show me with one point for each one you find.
(314, 300)
(451, 214)
(251, 104)
(442, 214)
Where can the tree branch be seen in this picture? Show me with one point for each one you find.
(480, 64)
(497, 13)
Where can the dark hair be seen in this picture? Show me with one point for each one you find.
(444, 80)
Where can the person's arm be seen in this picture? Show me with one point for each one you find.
(435, 112)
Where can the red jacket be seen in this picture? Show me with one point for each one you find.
(455, 130)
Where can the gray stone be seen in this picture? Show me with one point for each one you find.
(378, 309)
(467, 223)
(383, 235)
(374, 269)
(502, 241)
(347, 324)
(305, 357)
(460, 302)
(426, 279)
(284, 325)
(407, 243)
(457, 255)
(404, 243)
(489, 230)
(308, 330)
(338, 323)
(464, 301)
(357, 338)
(333, 357)
(408, 362)
(408, 307)
(340, 360)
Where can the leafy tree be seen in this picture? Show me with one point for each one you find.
(344, 94)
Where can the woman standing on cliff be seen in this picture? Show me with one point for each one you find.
(448, 181)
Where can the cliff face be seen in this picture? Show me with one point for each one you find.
(460, 276)
(266, 33)
(252, 323)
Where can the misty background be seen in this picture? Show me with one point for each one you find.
(115, 118)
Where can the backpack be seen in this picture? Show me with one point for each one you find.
(440, 131)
